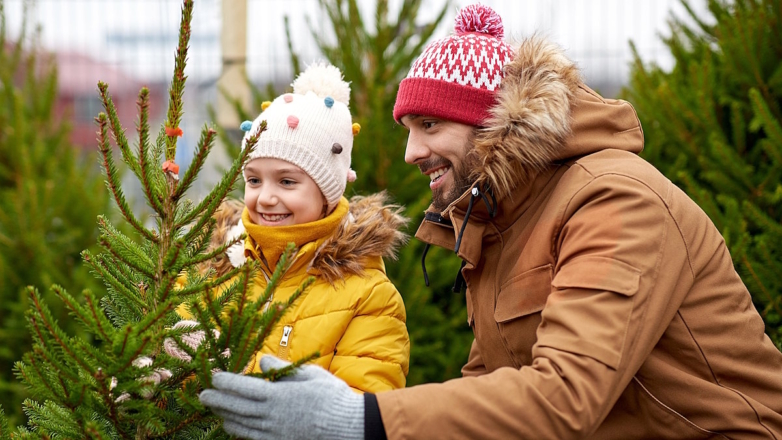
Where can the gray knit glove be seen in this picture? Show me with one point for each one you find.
(311, 403)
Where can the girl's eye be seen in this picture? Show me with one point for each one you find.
(253, 180)
(428, 124)
(287, 182)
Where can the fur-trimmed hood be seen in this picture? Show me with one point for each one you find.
(372, 230)
(544, 114)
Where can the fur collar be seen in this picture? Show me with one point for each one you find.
(531, 119)
(371, 230)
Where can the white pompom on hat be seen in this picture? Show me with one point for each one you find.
(311, 128)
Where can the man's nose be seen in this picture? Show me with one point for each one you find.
(416, 150)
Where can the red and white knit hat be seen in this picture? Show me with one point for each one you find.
(456, 77)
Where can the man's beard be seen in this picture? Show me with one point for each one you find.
(462, 179)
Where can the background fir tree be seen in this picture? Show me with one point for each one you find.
(136, 377)
(374, 58)
(45, 218)
(714, 127)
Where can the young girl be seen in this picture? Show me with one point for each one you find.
(294, 183)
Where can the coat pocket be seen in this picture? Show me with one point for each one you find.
(517, 311)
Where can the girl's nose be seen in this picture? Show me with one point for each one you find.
(267, 196)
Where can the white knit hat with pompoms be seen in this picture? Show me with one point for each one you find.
(311, 128)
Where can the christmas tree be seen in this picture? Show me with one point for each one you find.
(139, 373)
(45, 219)
(375, 56)
(714, 126)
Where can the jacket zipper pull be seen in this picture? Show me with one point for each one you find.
(282, 352)
(286, 333)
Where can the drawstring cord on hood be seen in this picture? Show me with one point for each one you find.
(490, 206)
(459, 282)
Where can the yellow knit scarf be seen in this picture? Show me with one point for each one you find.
(270, 241)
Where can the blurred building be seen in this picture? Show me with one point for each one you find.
(78, 97)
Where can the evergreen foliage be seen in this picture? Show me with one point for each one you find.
(121, 383)
(714, 127)
(45, 217)
(374, 57)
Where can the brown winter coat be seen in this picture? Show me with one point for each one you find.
(604, 302)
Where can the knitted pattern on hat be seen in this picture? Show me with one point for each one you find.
(312, 129)
(457, 77)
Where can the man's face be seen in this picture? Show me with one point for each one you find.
(439, 147)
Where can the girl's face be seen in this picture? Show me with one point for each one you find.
(278, 193)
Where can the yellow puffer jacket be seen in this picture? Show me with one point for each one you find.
(352, 315)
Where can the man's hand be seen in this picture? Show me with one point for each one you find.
(311, 403)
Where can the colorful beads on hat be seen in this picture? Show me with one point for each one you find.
(336, 148)
(293, 121)
(478, 18)
(329, 101)
(265, 105)
(356, 128)
(246, 126)
(351, 175)
(287, 97)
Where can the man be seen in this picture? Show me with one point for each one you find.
(604, 302)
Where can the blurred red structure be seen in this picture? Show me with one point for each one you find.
(79, 102)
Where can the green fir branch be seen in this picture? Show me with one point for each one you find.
(108, 400)
(93, 431)
(109, 278)
(45, 318)
(761, 219)
(152, 318)
(52, 418)
(120, 344)
(145, 163)
(112, 180)
(195, 288)
(177, 88)
(204, 147)
(198, 249)
(31, 370)
(124, 257)
(771, 126)
(217, 251)
(116, 129)
(5, 430)
(241, 357)
(92, 320)
(170, 260)
(133, 349)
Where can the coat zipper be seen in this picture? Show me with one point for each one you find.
(282, 352)
(704, 430)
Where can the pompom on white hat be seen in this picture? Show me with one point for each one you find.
(311, 128)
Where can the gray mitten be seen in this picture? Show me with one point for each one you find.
(311, 403)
